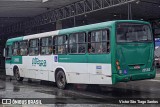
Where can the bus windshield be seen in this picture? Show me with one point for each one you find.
(133, 32)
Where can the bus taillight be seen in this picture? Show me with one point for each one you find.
(118, 65)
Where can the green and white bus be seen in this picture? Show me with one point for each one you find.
(103, 53)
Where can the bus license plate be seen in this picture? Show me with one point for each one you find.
(146, 70)
(136, 67)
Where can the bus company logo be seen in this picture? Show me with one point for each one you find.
(55, 58)
(36, 61)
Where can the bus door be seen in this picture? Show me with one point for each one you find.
(8, 60)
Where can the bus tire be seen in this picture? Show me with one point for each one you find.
(17, 75)
(61, 79)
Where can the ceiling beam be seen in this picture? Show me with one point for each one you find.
(75, 9)
(10, 18)
(22, 0)
(43, 1)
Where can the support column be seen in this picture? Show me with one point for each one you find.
(129, 11)
(74, 22)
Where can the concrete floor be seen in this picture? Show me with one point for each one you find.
(81, 95)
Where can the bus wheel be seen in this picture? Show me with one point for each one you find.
(61, 80)
(17, 75)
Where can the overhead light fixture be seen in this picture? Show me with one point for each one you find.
(114, 15)
(137, 2)
(43, 1)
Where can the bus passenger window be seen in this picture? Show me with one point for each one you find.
(90, 48)
(81, 42)
(108, 47)
(98, 42)
(106, 41)
(54, 43)
(77, 43)
(15, 48)
(33, 47)
(46, 46)
(8, 51)
(72, 44)
(23, 48)
(60, 44)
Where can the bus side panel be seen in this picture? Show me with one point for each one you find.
(38, 67)
(75, 68)
(100, 73)
(9, 70)
(78, 73)
(16, 61)
(99, 68)
(53, 61)
(44, 66)
(74, 72)
(30, 71)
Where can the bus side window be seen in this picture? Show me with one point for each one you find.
(33, 47)
(15, 48)
(106, 40)
(77, 43)
(54, 44)
(46, 46)
(8, 51)
(95, 42)
(98, 42)
(90, 47)
(23, 48)
(81, 42)
(72, 44)
(60, 44)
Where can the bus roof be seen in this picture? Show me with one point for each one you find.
(72, 30)
(95, 26)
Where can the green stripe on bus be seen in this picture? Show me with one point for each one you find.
(86, 58)
(15, 60)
